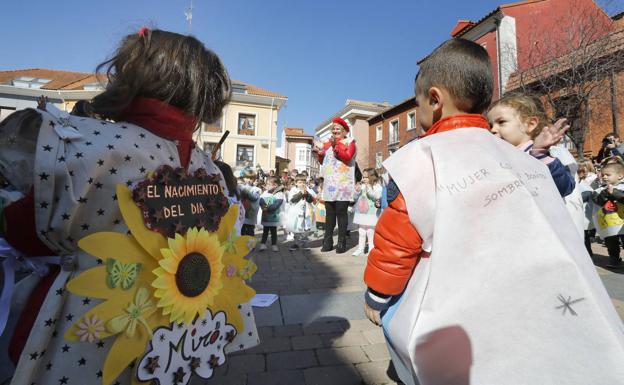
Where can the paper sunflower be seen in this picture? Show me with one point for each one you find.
(177, 281)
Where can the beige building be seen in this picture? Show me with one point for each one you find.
(356, 113)
(251, 118)
(296, 146)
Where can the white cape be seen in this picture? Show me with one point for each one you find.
(507, 293)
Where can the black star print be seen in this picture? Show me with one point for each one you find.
(82, 200)
(117, 136)
(127, 158)
(43, 232)
(44, 205)
(86, 301)
(48, 322)
(88, 143)
(69, 317)
(116, 222)
(82, 361)
(61, 159)
(99, 374)
(162, 337)
(71, 173)
(204, 322)
(33, 356)
(63, 380)
(99, 261)
(100, 344)
(96, 132)
(136, 145)
(47, 148)
(49, 366)
(152, 157)
(66, 187)
(100, 212)
(59, 291)
(103, 123)
(98, 185)
(43, 176)
(100, 162)
(124, 127)
(54, 334)
(158, 146)
(142, 135)
(52, 124)
(142, 170)
(171, 158)
(113, 171)
(241, 346)
(65, 348)
(90, 180)
(110, 147)
(128, 183)
(12, 140)
(115, 197)
(78, 155)
(250, 334)
(42, 353)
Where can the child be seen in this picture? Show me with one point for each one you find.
(271, 203)
(367, 208)
(319, 212)
(522, 121)
(250, 196)
(233, 191)
(90, 320)
(609, 211)
(300, 218)
(588, 182)
(481, 276)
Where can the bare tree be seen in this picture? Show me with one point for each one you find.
(573, 65)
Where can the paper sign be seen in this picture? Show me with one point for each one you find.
(263, 300)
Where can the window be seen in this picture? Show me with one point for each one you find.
(212, 127)
(393, 133)
(411, 120)
(208, 146)
(6, 111)
(378, 133)
(244, 155)
(378, 160)
(301, 155)
(246, 124)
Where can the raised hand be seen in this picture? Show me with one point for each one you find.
(551, 135)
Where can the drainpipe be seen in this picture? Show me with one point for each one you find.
(271, 134)
(614, 106)
(497, 21)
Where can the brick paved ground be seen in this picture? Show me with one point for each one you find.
(334, 345)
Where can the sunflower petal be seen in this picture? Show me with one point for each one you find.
(91, 283)
(123, 351)
(227, 222)
(151, 241)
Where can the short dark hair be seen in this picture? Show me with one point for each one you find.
(228, 176)
(176, 69)
(273, 179)
(301, 178)
(616, 166)
(463, 68)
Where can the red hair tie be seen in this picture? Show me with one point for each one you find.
(142, 31)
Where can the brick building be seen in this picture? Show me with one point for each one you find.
(391, 129)
(297, 148)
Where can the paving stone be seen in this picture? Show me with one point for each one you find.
(291, 360)
(312, 341)
(280, 377)
(361, 325)
(341, 356)
(374, 336)
(249, 363)
(230, 379)
(288, 331)
(377, 352)
(375, 373)
(348, 338)
(323, 327)
(265, 332)
(272, 345)
(334, 375)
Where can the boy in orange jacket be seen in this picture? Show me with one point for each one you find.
(478, 275)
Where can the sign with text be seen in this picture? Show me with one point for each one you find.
(172, 201)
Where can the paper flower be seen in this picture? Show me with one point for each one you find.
(145, 301)
(121, 274)
(136, 313)
(89, 329)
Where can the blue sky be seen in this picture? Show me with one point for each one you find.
(317, 52)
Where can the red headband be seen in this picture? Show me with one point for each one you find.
(142, 31)
(341, 122)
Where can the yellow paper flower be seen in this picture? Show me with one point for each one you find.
(189, 276)
(178, 279)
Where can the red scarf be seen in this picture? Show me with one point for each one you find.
(166, 121)
(458, 121)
